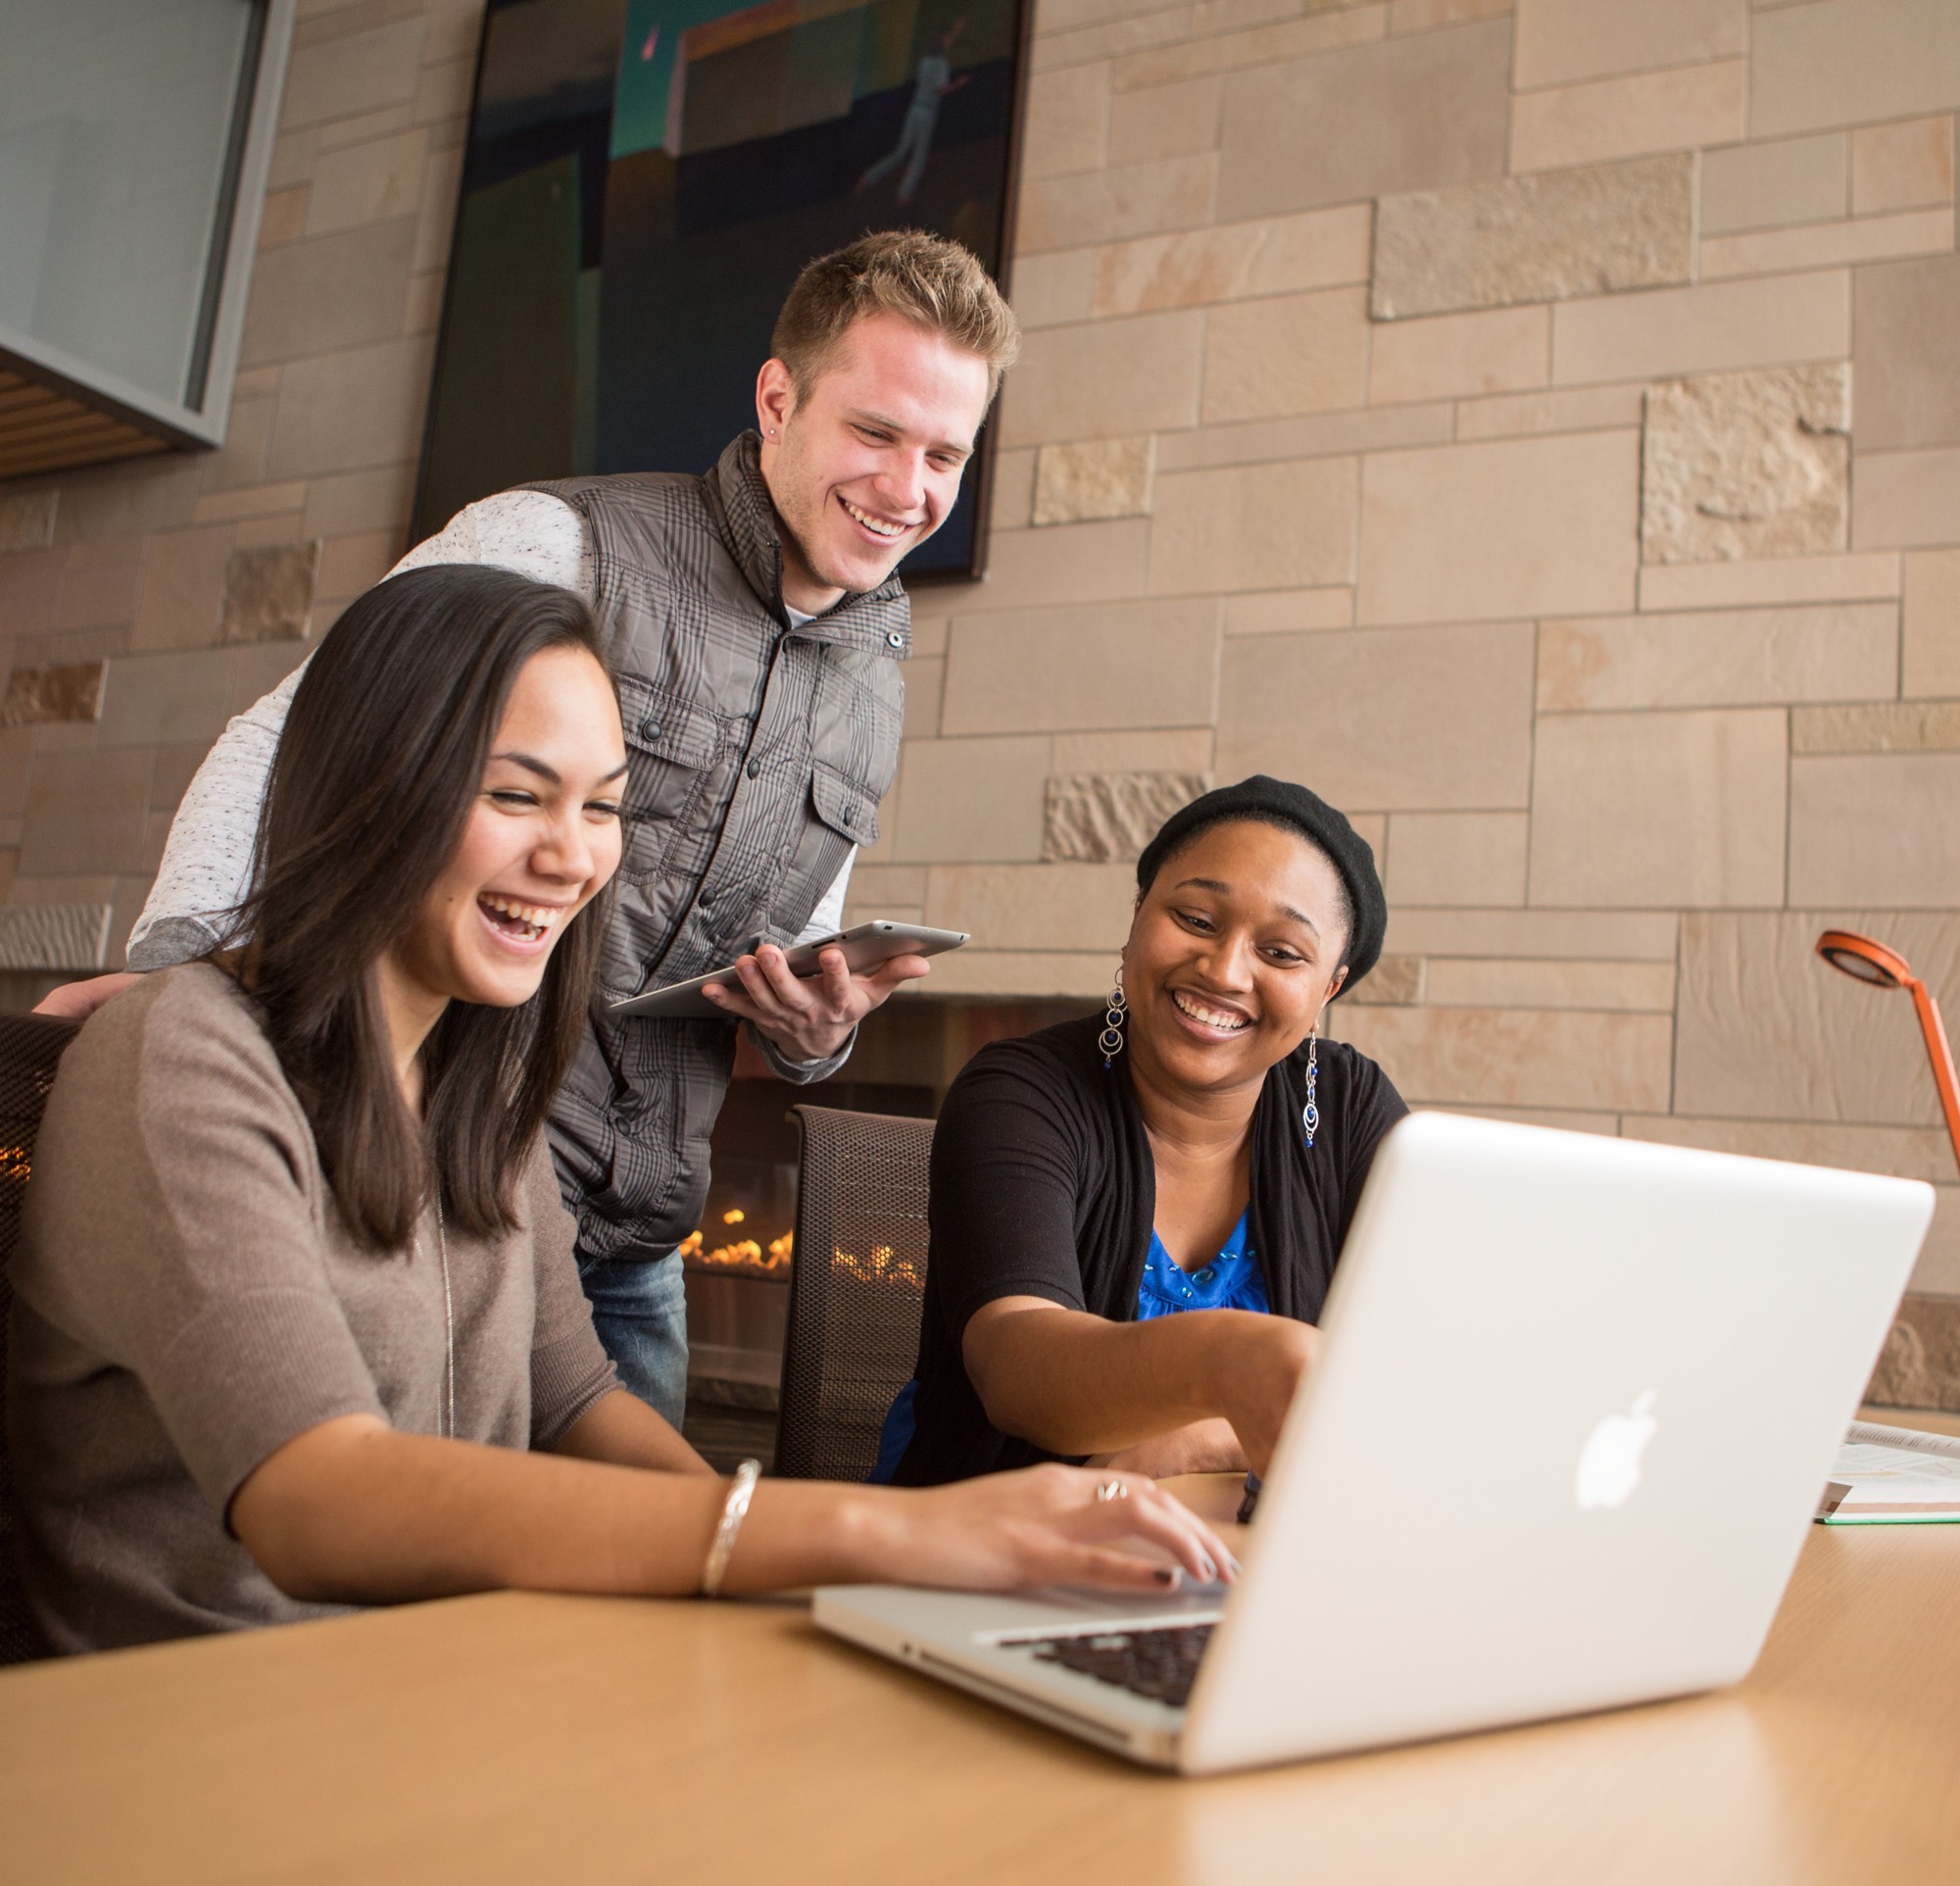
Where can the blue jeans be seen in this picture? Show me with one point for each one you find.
(640, 1311)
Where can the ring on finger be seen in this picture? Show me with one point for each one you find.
(1111, 1490)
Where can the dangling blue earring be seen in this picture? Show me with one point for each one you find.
(1310, 1115)
(1110, 1040)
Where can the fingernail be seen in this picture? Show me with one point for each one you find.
(1236, 1567)
(1167, 1575)
(1211, 1569)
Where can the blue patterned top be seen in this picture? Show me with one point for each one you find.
(1232, 1281)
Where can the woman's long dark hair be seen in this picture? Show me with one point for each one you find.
(378, 767)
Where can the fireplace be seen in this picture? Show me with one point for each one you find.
(738, 1262)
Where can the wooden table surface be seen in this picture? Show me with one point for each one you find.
(516, 1737)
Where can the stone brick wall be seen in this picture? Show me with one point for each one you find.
(1535, 426)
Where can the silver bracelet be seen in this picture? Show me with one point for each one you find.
(734, 1509)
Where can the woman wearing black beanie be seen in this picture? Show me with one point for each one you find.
(1135, 1217)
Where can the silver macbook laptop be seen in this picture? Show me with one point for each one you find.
(1509, 1489)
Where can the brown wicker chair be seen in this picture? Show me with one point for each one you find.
(30, 1048)
(857, 1288)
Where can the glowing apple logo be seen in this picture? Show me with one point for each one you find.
(1609, 1464)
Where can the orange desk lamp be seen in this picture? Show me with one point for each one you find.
(1883, 968)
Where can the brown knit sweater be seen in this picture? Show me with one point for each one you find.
(187, 1301)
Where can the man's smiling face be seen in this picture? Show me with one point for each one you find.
(867, 466)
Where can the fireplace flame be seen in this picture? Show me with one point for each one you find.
(749, 1258)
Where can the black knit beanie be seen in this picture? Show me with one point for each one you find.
(1278, 800)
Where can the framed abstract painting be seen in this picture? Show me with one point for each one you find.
(644, 178)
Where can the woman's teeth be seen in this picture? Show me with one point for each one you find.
(525, 921)
(1212, 1018)
(876, 526)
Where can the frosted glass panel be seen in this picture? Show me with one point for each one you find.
(116, 133)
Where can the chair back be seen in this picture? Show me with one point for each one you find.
(31, 1049)
(857, 1288)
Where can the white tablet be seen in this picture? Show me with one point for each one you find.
(864, 948)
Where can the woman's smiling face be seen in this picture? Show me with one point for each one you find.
(542, 838)
(1233, 951)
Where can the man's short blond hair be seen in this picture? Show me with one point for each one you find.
(934, 284)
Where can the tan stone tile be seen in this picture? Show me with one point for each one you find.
(1097, 478)
(1769, 582)
(1765, 187)
(1271, 43)
(1589, 232)
(1929, 657)
(962, 800)
(283, 217)
(1288, 355)
(248, 440)
(1628, 988)
(1559, 40)
(357, 501)
(1323, 436)
(98, 595)
(1906, 316)
(365, 127)
(353, 411)
(293, 157)
(442, 91)
(1744, 657)
(1454, 356)
(31, 591)
(1829, 245)
(875, 886)
(1390, 719)
(263, 666)
(1852, 62)
(1518, 1057)
(367, 184)
(1583, 409)
(1410, 114)
(925, 682)
(971, 971)
(1285, 611)
(117, 501)
(1662, 111)
(1395, 982)
(52, 692)
(1903, 167)
(1036, 906)
(1509, 528)
(1425, 16)
(175, 768)
(1092, 818)
(87, 811)
(287, 527)
(1166, 120)
(1889, 726)
(442, 189)
(453, 28)
(1051, 290)
(1746, 465)
(1908, 1151)
(359, 73)
(253, 501)
(1118, 40)
(166, 700)
(1091, 206)
(1906, 500)
(350, 565)
(329, 292)
(1012, 503)
(1880, 829)
(1764, 321)
(27, 519)
(1119, 664)
(1933, 1285)
(1071, 563)
(1231, 260)
(1067, 124)
(1633, 936)
(1150, 750)
(1681, 809)
(1469, 858)
(1261, 527)
(1769, 1031)
(1106, 379)
(1071, 16)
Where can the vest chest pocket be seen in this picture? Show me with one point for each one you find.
(843, 804)
(673, 745)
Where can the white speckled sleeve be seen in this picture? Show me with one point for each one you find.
(207, 864)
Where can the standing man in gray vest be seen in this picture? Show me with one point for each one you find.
(756, 626)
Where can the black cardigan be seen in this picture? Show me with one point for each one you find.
(1043, 1185)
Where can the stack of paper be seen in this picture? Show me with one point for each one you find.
(1893, 1476)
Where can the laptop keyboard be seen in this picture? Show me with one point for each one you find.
(1160, 1664)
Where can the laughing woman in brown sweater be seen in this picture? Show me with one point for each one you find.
(296, 1320)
